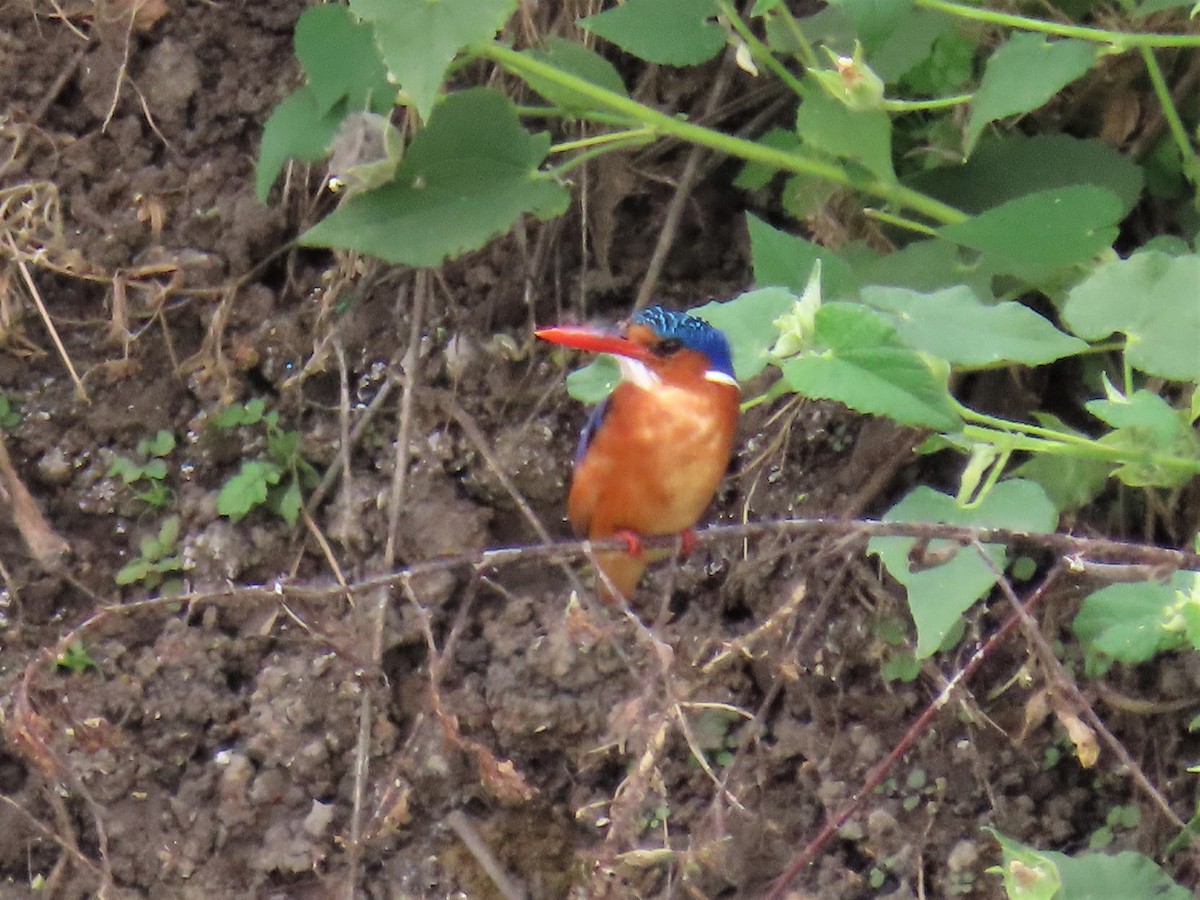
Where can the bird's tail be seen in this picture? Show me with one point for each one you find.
(624, 571)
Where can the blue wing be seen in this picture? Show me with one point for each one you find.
(595, 420)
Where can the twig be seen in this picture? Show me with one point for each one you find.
(36, 295)
(876, 776)
(501, 880)
(410, 363)
(683, 190)
(1066, 684)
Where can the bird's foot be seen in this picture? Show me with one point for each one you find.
(687, 543)
(633, 542)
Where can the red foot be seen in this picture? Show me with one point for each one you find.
(633, 542)
(687, 542)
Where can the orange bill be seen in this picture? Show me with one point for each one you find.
(590, 339)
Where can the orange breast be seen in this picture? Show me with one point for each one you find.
(656, 462)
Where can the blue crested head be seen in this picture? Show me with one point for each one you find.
(692, 332)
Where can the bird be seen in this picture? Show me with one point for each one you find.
(653, 452)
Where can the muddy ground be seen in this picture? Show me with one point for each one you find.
(467, 732)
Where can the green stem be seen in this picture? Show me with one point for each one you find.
(917, 105)
(808, 55)
(759, 51)
(729, 145)
(900, 222)
(1170, 113)
(1120, 39)
(558, 112)
(1007, 426)
(638, 135)
(777, 389)
(1086, 450)
(633, 139)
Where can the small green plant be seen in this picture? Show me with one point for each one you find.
(278, 481)
(1003, 239)
(76, 658)
(1031, 874)
(1003, 242)
(147, 475)
(156, 560)
(10, 415)
(1132, 623)
(1120, 818)
(715, 735)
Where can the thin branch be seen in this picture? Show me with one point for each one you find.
(876, 776)
(1066, 684)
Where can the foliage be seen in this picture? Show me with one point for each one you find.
(1031, 874)
(10, 414)
(76, 658)
(1008, 246)
(1132, 623)
(279, 480)
(157, 558)
(148, 474)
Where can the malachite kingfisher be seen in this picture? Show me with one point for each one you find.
(652, 454)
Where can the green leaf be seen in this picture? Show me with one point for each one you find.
(756, 175)
(875, 20)
(948, 66)
(1144, 410)
(1036, 235)
(161, 444)
(467, 177)
(1151, 298)
(1027, 872)
(247, 489)
(669, 32)
(339, 56)
(805, 195)
(289, 502)
(1146, 7)
(1015, 165)
(938, 596)
(133, 571)
(1025, 72)
(748, 320)
(419, 39)
(155, 469)
(168, 533)
(283, 447)
(868, 368)
(910, 43)
(925, 265)
(1126, 622)
(76, 658)
(296, 130)
(783, 259)
(1069, 481)
(126, 469)
(900, 665)
(954, 325)
(1084, 876)
(365, 153)
(251, 412)
(580, 61)
(1102, 875)
(595, 381)
(861, 135)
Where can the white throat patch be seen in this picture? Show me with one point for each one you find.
(720, 377)
(638, 372)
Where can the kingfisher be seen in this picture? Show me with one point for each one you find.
(653, 452)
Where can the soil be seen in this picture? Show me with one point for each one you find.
(470, 731)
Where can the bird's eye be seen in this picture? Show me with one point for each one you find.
(668, 347)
